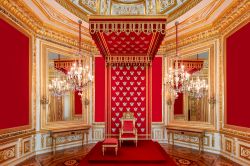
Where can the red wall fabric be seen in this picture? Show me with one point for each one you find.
(78, 104)
(14, 52)
(128, 93)
(99, 89)
(157, 89)
(237, 71)
(178, 104)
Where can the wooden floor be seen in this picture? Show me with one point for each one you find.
(182, 156)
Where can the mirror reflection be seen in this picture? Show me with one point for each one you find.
(193, 104)
(64, 104)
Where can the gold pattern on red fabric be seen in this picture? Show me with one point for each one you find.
(128, 94)
(191, 66)
(123, 37)
(63, 65)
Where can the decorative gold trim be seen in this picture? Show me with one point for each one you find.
(230, 32)
(126, 26)
(189, 4)
(246, 151)
(25, 17)
(228, 146)
(7, 153)
(30, 81)
(139, 2)
(27, 146)
(89, 9)
(124, 2)
(158, 6)
(209, 47)
(74, 9)
(47, 47)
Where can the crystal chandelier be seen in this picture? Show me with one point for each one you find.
(177, 78)
(79, 75)
(59, 86)
(197, 88)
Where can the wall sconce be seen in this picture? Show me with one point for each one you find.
(44, 100)
(86, 102)
(169, 102)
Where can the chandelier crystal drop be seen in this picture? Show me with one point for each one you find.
(58, 87)
(177, 78)
(79, 75)
(197, 88)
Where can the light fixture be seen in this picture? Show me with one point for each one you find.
(79, 75)
(59, 86)
(197, 88)
(177, 78)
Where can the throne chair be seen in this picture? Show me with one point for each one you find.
(128, 130)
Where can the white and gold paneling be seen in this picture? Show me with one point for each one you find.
(98, 132)
(202, 24)
(62, 142)
(158, 132)
(17, 150)
(236, 149)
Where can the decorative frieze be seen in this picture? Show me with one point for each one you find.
(228, 146)
(191, 139)
(27, 146)
(64, 140)
(7, 154)
(245, 152)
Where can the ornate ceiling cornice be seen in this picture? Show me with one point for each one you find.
(18, 12)
(67, 4)
(182, 9)
(235, 14)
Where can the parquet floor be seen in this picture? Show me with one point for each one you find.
(182, 156)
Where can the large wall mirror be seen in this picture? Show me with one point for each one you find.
(188, 109)
(66, 106)
(67, 110)
(194, 106)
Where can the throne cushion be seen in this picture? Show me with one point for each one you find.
(128, 135)
(110, 141)
(128, 126)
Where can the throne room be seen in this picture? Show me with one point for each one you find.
(125, 82)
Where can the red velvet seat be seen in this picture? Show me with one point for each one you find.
(110, 143)
(128, 130)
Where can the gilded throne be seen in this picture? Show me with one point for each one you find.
(128, 130)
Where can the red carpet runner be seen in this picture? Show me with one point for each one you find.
(147, 153)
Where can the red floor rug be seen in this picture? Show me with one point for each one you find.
(147, 153)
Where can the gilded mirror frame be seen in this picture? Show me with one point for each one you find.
(46, 48)
(211, 48)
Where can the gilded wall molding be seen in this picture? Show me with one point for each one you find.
(7, 153)
(189, 4)
(67, 4)
(233, 16)
(236, 133)
(244, 152)
(19, 13)
(15, 135)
